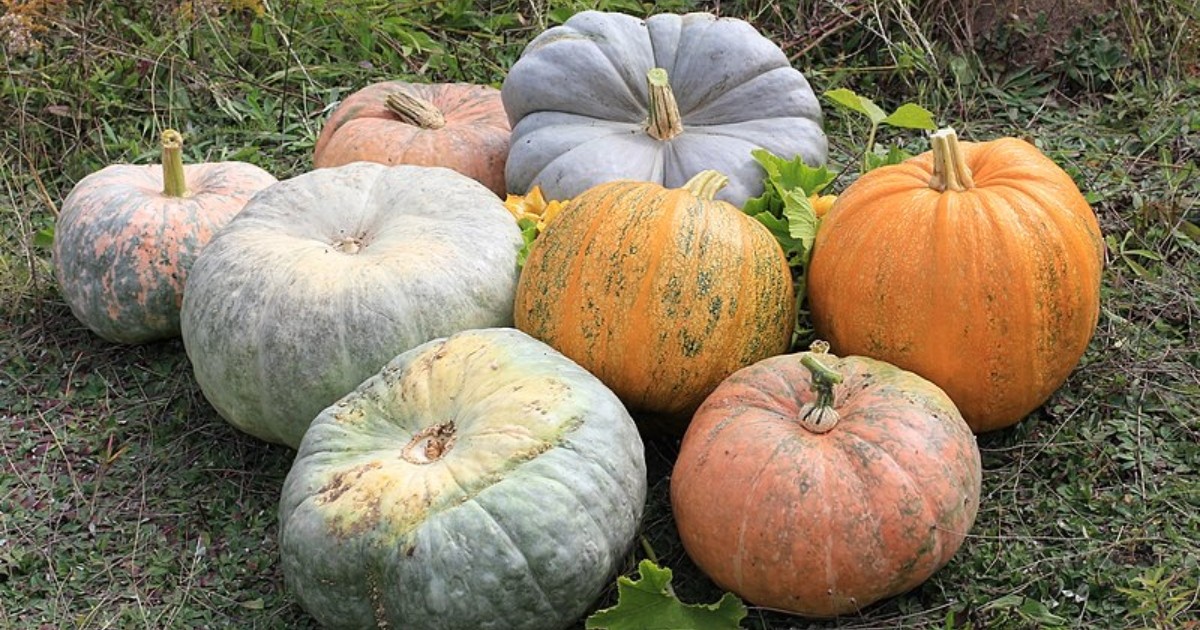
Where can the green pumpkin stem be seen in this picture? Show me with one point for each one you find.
(950, 171)
(820, 416)
(415, 111)
(706, 184)
(174, 182)
(664, 122)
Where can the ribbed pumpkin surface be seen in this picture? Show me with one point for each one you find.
(473, 141)
(326, 276)
(992, 293)
(123, 249)
(824, 524)
(659, 292)
(477, 482)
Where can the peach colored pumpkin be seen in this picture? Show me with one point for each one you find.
(820, 485)
(460, 126)
(127, 235)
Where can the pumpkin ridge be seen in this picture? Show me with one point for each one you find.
(829, 520)
(888, 459)
(1016, 233)
(749, 507)
(665, 208)
(631, 92)
(571, 490)
(697, 109)
(618, 196)
(711, 232)
(528, 568)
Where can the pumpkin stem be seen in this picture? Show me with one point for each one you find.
(174, 183)
(706, 184)
(664, 122)
(430, 444)
(950, 171)
(820, 416)
(348, 245)
(415, 111)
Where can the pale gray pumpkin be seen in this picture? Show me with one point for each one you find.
(482, 481)
(581, 106)
(324, 277)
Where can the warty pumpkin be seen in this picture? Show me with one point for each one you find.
(820, 485)
(608, 96)
(127, 235)
(460, 126)
(481, 481)
(975, 265)
(659, 292)
(326, 276)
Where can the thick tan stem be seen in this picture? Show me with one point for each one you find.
(174, 182)
(664, 122)
(950, 171)
(415, 111)
(706, 184)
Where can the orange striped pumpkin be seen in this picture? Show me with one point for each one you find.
(460, 126)
(660, 292)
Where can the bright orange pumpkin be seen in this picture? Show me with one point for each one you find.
(820, 485)
(975, 265)
(127, 235)
(460, 126)
(659, 292)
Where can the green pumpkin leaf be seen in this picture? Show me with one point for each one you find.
(850, 100)
(801, 217)
(767, 203)
(780, 229)
(894, 155)
(529, 233)
(794, 174)
(911, 116)
(649, 603)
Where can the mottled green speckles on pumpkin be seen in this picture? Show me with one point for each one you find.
(123, 249)
(704, 283)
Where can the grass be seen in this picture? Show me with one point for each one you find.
(126, 502)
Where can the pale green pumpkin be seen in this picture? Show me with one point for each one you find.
(482, 481)
(326, 276)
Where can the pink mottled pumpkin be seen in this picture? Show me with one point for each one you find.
(459, 126)
(127, 234)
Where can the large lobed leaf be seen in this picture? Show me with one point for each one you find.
(649, 603)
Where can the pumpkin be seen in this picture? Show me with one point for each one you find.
(127, 235)
(326, 276)
(607, 96)
(460, 126)
(659, 292)
(819, 485)
(975, 265)
(481, 481)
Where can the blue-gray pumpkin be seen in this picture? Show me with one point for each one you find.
(607, 96)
